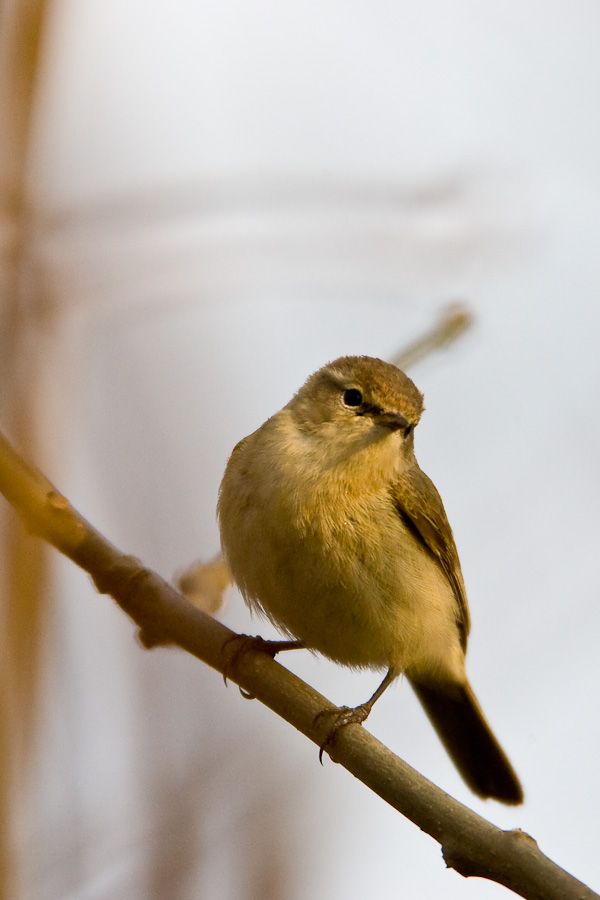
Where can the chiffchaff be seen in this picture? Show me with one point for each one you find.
(333, 532)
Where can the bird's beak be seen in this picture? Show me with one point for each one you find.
(393, 421)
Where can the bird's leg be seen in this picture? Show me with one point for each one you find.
(238, 645)
(347, 715)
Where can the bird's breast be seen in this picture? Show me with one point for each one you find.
(325, 555)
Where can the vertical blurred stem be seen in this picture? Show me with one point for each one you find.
(23, 560)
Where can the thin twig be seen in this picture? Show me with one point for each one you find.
(470, 844)
(454, 320)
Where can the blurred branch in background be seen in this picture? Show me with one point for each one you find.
(454, 320)
(471, 845)
(23, 561)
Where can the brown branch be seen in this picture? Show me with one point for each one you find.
(23, 32)
(453, 321)
(470, 844)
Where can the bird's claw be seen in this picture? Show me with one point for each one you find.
(246, 644)
(235, 647)
(344, 715)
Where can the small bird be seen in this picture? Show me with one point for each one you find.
(332, 531)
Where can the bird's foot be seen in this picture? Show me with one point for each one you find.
(344, 715)
(238, 645)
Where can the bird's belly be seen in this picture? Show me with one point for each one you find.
(339, 589)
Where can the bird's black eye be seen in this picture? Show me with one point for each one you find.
(408, 430)
(352, 397)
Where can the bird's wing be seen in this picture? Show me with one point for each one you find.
(420, 506)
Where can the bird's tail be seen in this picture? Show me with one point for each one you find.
(470, 742)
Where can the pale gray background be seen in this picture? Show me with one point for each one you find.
(230, 194)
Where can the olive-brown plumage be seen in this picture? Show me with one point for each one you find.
(333, 532)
